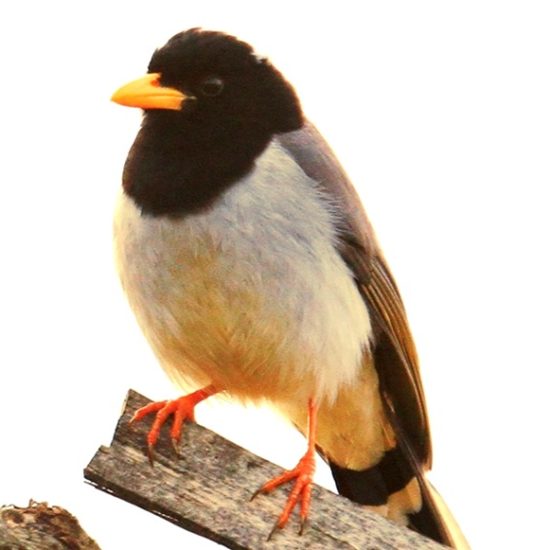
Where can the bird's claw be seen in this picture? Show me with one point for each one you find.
(181, 409)
(272, 532)
(302, 475)
(151, 454)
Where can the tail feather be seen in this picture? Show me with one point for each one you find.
(374, 485)
(399, 490)
(457, 536)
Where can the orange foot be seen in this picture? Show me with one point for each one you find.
(303, 476)
(182, 408)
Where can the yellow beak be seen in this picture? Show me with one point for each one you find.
(147, 93)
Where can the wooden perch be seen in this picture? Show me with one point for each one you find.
(39, 526)
(207, 490)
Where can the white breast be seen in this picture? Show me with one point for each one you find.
(250, 295)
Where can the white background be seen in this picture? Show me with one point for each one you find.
(441, 114)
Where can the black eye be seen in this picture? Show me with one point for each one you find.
(212, 86)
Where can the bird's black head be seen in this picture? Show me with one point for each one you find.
(211, 106)
(226, 83)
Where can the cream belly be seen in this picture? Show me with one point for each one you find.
(250, 295)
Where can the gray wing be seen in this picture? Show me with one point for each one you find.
(393, 350)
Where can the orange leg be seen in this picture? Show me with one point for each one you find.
(182, 408)
(303, 476)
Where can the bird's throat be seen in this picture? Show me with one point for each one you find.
(178, 173)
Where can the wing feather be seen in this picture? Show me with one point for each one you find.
(396, 360)
(394, 352)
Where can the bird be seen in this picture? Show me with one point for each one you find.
(253, 271)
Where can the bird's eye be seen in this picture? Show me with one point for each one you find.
(212, 86)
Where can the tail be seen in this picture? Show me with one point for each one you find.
(397, 489)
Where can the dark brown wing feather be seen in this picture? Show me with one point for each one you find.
(394, 351)
(396, 361)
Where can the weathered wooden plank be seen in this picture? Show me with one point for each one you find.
(207, 490)
(40, 527)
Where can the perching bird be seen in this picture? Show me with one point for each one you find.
(253, 270)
